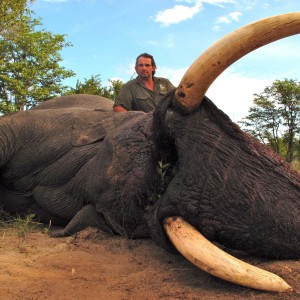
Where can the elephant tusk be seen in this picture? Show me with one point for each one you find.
(211, 259)
(208, 66)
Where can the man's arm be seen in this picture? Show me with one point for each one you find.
(123, 101)
(119, 108)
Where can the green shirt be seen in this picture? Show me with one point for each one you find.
(135, 96)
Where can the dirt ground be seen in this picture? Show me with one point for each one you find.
(93, 265)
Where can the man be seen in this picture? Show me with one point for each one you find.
(145, 91)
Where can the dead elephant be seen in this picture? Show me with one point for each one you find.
(76, 163)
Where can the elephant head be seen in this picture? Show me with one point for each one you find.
(219, 166)
(78, 164)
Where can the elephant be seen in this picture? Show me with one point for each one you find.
(183, 175)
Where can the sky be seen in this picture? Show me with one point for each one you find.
(108, 35)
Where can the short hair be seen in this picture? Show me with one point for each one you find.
(146, 55)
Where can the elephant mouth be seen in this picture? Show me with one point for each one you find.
(189, 94)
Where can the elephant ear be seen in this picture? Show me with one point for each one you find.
(88, 128)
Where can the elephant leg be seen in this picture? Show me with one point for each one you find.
(24, 205)
(86, 217)
(13, 202)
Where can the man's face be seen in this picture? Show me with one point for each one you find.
(144, 68)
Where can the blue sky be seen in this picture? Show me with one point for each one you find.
(107, 36)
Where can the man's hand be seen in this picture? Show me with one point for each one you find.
(119, 109)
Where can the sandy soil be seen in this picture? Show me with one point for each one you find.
(92, 265)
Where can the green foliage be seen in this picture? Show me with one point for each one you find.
(30, 70)
(296, 165)
(93, 86)
(114, 88)
(29, 65)
(22, 224)
(90, 86)
(162, 169)
(275, 118)
(10, 12)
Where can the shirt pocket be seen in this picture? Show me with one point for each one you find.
(142, 96)
(162, 89)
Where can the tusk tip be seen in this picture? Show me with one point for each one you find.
(284, 287)
(198, 250)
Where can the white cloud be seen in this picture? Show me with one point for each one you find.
(187, 1)
(177, 14)
(233, 93)
(234, 16)
(130, 70)
(219, 2)
(174, 75)
(250, 4)
(288, 47)
(223, 20)
(180, 13)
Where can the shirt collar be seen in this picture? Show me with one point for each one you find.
(138, 81)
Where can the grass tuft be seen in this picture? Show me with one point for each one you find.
(21, 224)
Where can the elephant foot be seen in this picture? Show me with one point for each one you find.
(57, 232)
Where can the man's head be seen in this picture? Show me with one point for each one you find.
(145, 66)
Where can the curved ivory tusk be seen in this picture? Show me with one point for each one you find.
(211, 259)
(207, 67)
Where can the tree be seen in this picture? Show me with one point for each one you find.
(90, 86)
(113, 90)
(275, 117)
(10, 13)
(287, 94)
(93, 86)
(263, 121)
(29, 66)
